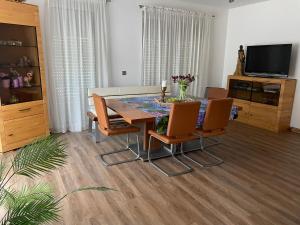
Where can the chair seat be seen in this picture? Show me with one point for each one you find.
(172, 140)
(115, 116)
(116, 120)
(205, 133)
(119, 127)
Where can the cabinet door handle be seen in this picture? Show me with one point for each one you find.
(10, 135)
(25, 110)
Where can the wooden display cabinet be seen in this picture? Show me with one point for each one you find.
(23, 108)
(267, 102)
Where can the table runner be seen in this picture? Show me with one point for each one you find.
(161, 112)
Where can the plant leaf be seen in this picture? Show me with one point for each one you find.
(42, 156)
(101, 189)
(2, 170)
(35, 211)
(93, 189)
(26, 194)
(36, 205)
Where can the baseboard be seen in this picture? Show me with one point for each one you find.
(295, 130)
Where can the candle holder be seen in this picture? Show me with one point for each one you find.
(163, 94)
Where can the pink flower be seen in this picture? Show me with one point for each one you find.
(183, 79)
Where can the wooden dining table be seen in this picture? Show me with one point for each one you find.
(134, 116)
(145, 111)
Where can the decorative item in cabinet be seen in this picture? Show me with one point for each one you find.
(266, 93)
(22, 81)
(20, 64)
(240, 89)
(19, 1)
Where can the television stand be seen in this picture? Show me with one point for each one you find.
(267, 102)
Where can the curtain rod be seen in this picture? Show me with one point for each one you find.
(142, 6)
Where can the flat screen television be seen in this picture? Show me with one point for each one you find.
(268, 60)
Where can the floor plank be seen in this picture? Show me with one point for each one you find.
(259, 184)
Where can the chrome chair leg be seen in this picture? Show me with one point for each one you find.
(127, 141)
(188, 169)
(90, 125)
(215, 142)
(204, 146)
(105, 163)
(201, 145)
(218, 162)
(97, 133)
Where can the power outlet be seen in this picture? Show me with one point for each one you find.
(124, 73)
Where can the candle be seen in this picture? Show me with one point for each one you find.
(164, 83)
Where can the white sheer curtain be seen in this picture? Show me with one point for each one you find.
(77, 59)
(176, 42)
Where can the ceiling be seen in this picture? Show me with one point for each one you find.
(225, 3)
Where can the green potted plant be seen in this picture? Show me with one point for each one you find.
(34, 205)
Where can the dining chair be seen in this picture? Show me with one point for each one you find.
(216, 93)
(181, 128)
(94, 120)
(111, 128)
(215, 122)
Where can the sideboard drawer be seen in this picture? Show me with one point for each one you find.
(22, 112)
(263, 116)
(25, 128)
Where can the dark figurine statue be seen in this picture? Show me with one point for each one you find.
(239, 71)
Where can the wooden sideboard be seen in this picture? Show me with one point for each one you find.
(23, 108)
(267, 102)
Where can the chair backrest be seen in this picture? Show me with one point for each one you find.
(216, 93)
(101, 111)
(217, 114)
(183, 119)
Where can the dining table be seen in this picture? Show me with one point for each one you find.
(152, 115)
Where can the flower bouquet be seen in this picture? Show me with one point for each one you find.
(183, 84)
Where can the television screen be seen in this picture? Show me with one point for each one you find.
(268, 60)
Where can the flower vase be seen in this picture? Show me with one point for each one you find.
(182, 91)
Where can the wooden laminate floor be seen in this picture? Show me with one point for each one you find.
(258, 184)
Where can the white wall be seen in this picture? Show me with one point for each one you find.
(271, 22)
(126, 39)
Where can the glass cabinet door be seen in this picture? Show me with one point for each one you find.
(266, 93)
(240, 89)
(20, 79)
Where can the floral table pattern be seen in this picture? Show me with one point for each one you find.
(161, 112)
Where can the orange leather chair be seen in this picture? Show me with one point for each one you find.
(215, 122)
(181, 128)
(110, 128)
(93, 119)
(216, 93)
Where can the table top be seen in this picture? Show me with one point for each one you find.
(130, 114)
(139, 109)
